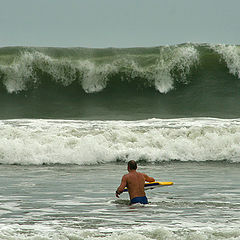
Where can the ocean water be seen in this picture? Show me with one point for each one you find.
(78, 202)
(71, 118)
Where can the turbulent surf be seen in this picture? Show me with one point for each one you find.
(38, 142)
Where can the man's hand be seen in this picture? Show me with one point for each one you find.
(117, 194)
(147, 178)
(123, 184)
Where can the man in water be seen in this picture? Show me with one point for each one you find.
(135, 182)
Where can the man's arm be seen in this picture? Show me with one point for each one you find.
(122, 186)
(148, 179)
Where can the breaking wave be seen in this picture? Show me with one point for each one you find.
(158, 67)
(39, 142)
(188, 80)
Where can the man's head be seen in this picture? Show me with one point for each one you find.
(132, 165)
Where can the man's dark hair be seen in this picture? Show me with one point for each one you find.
(132, 165)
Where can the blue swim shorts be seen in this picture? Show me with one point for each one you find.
(142, 200)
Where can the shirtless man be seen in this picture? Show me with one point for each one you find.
(135, 182)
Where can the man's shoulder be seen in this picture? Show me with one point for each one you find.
(126, 175)
(140, 173)
(129, 175)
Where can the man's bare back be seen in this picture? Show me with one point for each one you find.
(134, 181)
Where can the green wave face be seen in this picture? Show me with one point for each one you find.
(166, 81)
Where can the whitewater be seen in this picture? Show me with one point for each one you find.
(40, 142)
(71, 118)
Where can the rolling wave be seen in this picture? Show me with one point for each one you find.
(159, 68)
(168, 81)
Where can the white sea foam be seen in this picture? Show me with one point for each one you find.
(92, 142)
(231, 55)
(180, 59)
(95, 78)
(19, 73)
(45, 233)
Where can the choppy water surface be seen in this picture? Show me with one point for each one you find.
(78, 202)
